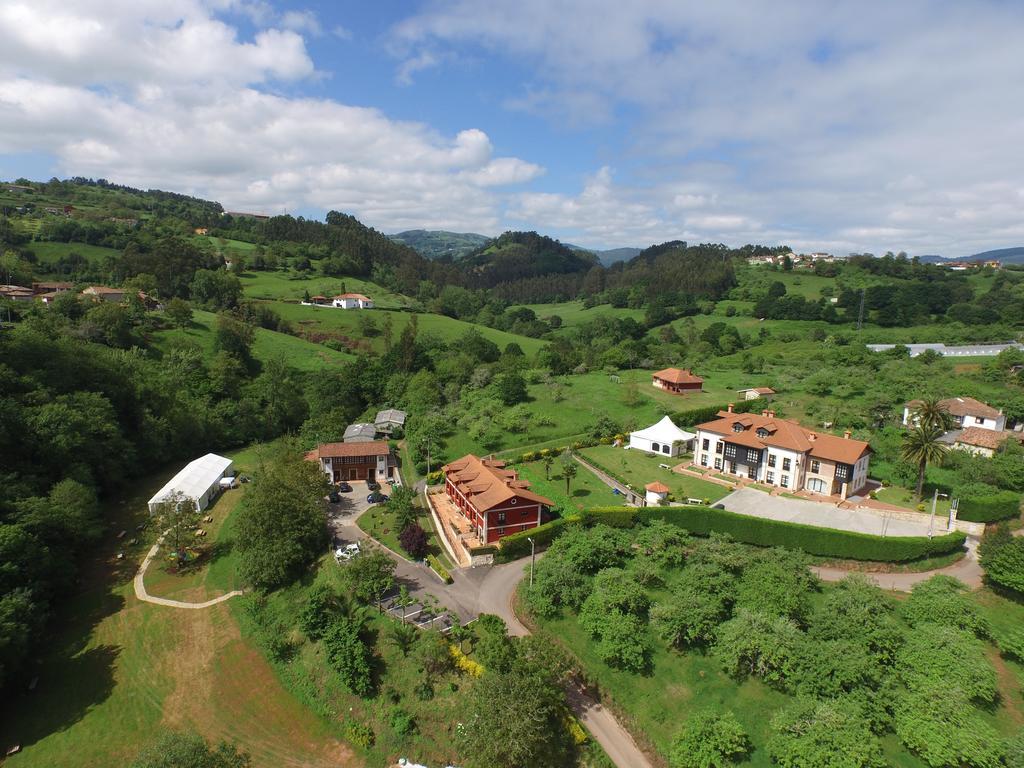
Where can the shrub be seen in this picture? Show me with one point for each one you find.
(941, 600)
(823, 542)
(413, 540)
(463, 663)
(1002, 557)
(438, 567)
(402, 723)
(517, 545)
(317, 615)
(349, 656)
(710, 740)
(980, 503)
(359, 734)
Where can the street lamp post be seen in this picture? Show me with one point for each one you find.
(533, 549)
(935, 501)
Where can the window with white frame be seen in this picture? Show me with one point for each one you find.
(753, 456)
(771, 459)
(786, 463)
(770, 476)
(815, 466)
(785, 481)
(704, 460)
(718, 463)
(719, 447)
(705, 443)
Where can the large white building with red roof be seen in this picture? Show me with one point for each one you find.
(493, 498)
(782, 453)
(352, 301)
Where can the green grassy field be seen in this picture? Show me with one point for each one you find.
(573, 312)
(118, 670)
(48, 253)
(380, 524)
(342, 322)
(282, 286)
(586, 490)
(298, 353)
(638, 469)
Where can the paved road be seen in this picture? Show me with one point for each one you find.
(142, 594)
(968, 570)
(747, 501)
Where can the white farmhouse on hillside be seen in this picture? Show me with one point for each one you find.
(964, 412)
(352, 301)
(198, 482)
(663, 438)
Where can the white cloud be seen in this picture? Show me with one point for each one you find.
(168, 95)
(302, 21)
(846, 122)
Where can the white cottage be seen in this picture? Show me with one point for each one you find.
(663, 438)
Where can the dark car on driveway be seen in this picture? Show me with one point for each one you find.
(372, 486)
(376, 498)
(343, 487)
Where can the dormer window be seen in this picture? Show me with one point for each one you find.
(762, 433)
(737, 427)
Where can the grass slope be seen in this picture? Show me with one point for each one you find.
(638, 469)
(284, 286)
(298, 353)
(48, 253)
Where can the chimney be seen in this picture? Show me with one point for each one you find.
(846, 435)
(771, 414)
(731, 406)
(765, 413)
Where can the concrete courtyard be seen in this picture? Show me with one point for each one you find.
(747, 501)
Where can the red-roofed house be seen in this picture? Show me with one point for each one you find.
(494, 499)
(782, 453)
(656, 492)
(352, 301)
(355, 461)
(679, 381)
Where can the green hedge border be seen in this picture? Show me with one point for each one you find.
(989, 509)
(702, 521)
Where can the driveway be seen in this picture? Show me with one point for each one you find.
(747, 501)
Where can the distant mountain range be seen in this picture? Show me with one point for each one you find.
(611, 256)
(437, 244)
(1005, 255)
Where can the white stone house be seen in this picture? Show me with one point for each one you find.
(965, 412)
(352, 301)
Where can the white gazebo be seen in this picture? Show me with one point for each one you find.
(663, 438)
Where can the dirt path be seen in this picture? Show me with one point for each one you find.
(968, 570)
(144, 596)
(496, 595)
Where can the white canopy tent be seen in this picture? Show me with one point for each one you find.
(663, 438)
(198, 481)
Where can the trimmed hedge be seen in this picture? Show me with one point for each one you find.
(988, 507)
(822, 542)
(438, 567)
(710, 412)
(517, 545)
(616, 517)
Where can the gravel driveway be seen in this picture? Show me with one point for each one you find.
(747, 501)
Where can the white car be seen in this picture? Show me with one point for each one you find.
(346, 552)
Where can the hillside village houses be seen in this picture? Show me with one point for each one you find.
(389, 420)
(757, 393)
(965, 412)
(360, 433)
(782, 453)
(678, 381)
(352, 301)
(356, 461)
(493, 498)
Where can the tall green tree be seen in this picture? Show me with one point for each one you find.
(710, 740)
(921, 446)
(189, 750)
(932, 412)
(282, 525)
(178, 518)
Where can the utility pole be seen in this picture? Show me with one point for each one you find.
(533, 550)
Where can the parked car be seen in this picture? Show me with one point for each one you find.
(334, 497)
(372, 486)
(347, 552)
(343, 487)
(718, 506)
(377, 498)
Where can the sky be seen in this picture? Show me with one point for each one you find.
(838, 125)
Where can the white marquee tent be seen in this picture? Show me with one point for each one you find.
(663, 438)
(199, 481)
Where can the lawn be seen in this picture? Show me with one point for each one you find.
(638, 469)
(573, 313)
(47, 252)
(586, 489)
(380, 524)
(904, 497)
(348, 324)
(117, 670)
(284, 286)
(298, 353)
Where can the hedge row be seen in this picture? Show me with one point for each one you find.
(989, 508)
(438, 567)
(517, 545)
(822, 542)
(710, 412)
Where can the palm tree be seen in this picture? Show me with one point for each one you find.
(932, 413)
(921, 446)
(568, 472)
(548, 461)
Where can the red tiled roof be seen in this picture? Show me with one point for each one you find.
(352, 296)
(657, 487)
(678, 376)
(782, 433)
(334, 450)
(487, 484)
(963, 406)
(986, 438)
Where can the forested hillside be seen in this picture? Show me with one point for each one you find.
(439, 244)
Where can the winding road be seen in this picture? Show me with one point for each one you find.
(144, 596)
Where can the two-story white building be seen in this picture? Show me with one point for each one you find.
(782, 453)
(964, 411)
